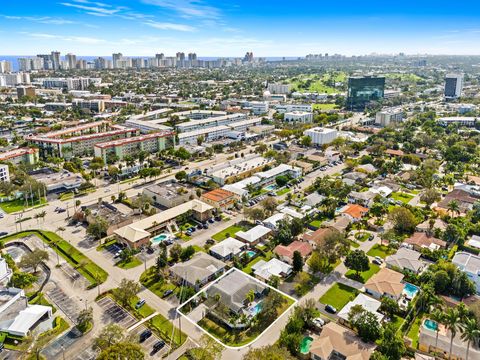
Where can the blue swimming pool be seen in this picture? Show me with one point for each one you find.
(256, 309)
(251, 253)
(159, 238)
(270, 187)
(430, 325)
(410, 290)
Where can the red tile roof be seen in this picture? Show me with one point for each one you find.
(354, 210)
(304, 248)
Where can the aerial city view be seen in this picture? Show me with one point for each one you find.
(239, 180)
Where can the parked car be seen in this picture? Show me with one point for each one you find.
(158, 346)
(3, 233)
(258, 222)
(199, 226)
(376, 262)
(167, 293)
(318, 322)
(218, 218)
(210, 242)
(139, 303)
(211, 221)
(150, 250)
(205, 226)
(330, 309)
(379, 259)
(371, 237)
(145, 335)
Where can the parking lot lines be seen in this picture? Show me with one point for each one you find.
(115, 313)
(65, 303)
(148, 344)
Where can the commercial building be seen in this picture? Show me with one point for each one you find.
(389, 117)
(212, 122)
(362, 90)
(198, 114)
(79, 140)
(468, 121)
(257, 107)
(208, 134)
(283, 108)
(238, 169)
(25, 91)
(168, 193)
(277, 88)
(453, 86)
(57, 182)
(4, 173)
(321, 136)
(298, 116)
(150, 143)
(21, 155)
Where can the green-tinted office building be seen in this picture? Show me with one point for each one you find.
(362, 90)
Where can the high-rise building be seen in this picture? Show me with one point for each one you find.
(362, 90)
(25, 91)
(100, 63)
(248, 57)
(180, 56)
(55, 58)
(192, 56)
(5, 66)
(453, 86)
(71, 60)
(116, 59)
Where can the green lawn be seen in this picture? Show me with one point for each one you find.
(248, 269)
(316, 223)
(403, 197)
(365, 275)
(149, 280)
(324, 106)
(413, 333)
(311, 84)
(362, 236)
(134, 262)
(354, 244)
(19, 204)
(230, 231)
(397, 322)
(283, 191)
(164, 328)
(380, 250)
(66, 196)
(338, 296)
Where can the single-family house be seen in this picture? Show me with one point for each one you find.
(255, 235)
(314, 199)
(368, 303)
(420, 240)
(197, 271)
(470, 265)
(427, 227)
(338, 342)
(464, 199)
(285, 253)
(317, 237)
(227, 249)
(265, 270)
(368, 168)
(385, 283)
(354, 212)
(364, 198)
(405, 259)
(272, 221)
(340, 223)
(356, 176)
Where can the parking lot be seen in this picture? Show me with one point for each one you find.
(148, 343)
(87, 354)
(64, 303)
(55, 349)
(114, 313)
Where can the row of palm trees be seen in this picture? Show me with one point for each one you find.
(457, 320)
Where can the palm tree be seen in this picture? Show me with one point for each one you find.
(452, 323)
(438, 316)
(470, 333)
(453, 207)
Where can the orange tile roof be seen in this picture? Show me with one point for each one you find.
(356, 211)
(304, 248)
(394, 152)
(218, 195)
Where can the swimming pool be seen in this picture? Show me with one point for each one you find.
(410, 291)
(430, 325)
(270, 187)
(159, 238)
(305, 344)
(256, 309)
(251, 253)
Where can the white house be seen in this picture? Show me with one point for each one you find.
(265, 270)
(469, 264)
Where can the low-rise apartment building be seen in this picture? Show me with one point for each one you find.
(21, 155)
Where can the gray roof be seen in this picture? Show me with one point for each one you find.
(467, 262)
(233, 289)
(198, 268)
(314, 199)
(405, 259)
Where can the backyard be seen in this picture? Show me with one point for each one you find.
(400, 196)
(229, 232)
(248, 268)
(339, 295)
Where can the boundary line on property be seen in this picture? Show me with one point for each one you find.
(295, 301)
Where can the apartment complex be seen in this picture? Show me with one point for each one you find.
(79, 140)
(212, 122)
(150, 143)
(321, 136)
(4, 173)
(389, 117)
(21, 155)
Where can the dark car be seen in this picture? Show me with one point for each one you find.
(218, 218)
(150, 250)
(167, 293)
(145, 335)
(211, 221)
(370, 238)
(210, 242)
(158, 346)
(199, 226)
(205, 226)
(61, 210)
(330, 309)
(192, 229)
(3, 233)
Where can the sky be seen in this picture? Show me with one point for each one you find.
(231, 28)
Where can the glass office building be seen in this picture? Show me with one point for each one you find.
(362, 90)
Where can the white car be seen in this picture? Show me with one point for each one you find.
(319, 322)
(378, 258)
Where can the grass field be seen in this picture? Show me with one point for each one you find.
(164, 328)
(365, 275)
(19, 204)
(404, 77)
(380, 250)
(324, 106)
(134, 262)
(228, 232)
(311, 84)
(338, 296)
(283, 191)
(413, 333)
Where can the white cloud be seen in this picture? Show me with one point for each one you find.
(93, 9)
(76, 39)
(187, 8)
(43, 19)
(169, 26)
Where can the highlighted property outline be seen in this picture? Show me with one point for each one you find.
(295, 301)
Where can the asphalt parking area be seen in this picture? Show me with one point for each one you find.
(65, 303)
(55, 349)
(115, 313)
(147, 345)
(87, 354)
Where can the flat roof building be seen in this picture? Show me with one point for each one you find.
(321, 136)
